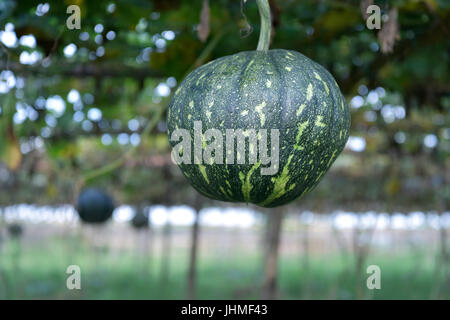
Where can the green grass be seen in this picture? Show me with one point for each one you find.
(37, 272)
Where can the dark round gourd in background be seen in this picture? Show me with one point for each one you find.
(94, 206)
(15, 230)
(140, 220)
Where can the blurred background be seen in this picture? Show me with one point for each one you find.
(86, 108)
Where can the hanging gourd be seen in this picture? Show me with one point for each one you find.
(15, 230)
(94, 206)
(289, 109)
(140, 219)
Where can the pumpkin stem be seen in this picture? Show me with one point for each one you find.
(266, 25)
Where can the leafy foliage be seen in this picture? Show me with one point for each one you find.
(75, 101)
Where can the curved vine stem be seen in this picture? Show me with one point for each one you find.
(266, 25)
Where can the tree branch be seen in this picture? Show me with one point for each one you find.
(80, 70)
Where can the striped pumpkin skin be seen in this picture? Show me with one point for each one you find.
(279, 89)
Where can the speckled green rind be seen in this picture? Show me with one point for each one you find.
(300, 99)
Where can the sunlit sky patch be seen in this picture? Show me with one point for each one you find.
(357, 144)
(28, 41)
(8, 36)
(56, 105)
(162, 90)
(30, 58)
(70, 50)
(94, 114)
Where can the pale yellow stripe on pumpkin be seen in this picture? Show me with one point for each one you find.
(258, 109)
(249, 65)
(202, 169)
(319, 122)
(309, 92)
(245, 181)
(300, 109)
(268, 83)
(316, 75)
(191, 104)
(301, 128)
(320, 176)
(200, 78)
(326, 87)
(332, 158)
(224, 192)
(288, 69)
(279, 188)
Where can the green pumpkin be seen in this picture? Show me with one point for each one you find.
(277, 89)
(254, 93)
